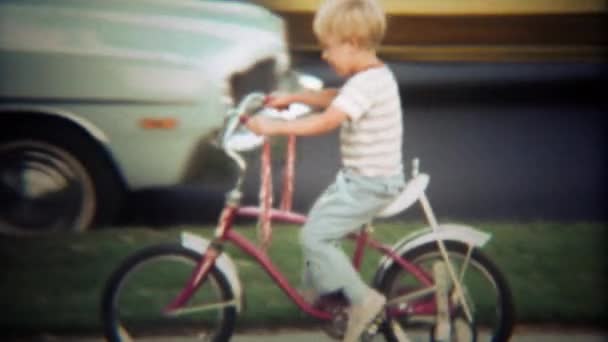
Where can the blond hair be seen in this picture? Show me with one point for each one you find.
(359, 21)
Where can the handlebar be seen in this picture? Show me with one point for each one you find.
(236, 137)
(250, 105)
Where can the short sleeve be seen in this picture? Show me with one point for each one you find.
(353, 99)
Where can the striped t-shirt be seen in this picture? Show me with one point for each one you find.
(370, 142)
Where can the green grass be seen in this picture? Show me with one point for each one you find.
(557, 272)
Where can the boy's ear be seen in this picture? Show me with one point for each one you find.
(354, 42)
(357, 44)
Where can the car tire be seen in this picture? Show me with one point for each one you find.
(53, 178)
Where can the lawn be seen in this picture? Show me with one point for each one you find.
(557, 272)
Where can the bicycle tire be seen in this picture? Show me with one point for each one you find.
(135, 312)
(495, 330)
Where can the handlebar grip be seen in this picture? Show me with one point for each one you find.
(244, 118)
(251, 104)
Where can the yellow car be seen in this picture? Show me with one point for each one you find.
(473, 30)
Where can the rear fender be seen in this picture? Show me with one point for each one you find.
(446, 232)
(224, 264)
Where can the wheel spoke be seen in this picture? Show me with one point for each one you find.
(465, 263)
(411, 296)
(202, 308)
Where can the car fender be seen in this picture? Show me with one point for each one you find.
(224, 264)
(79, 121)
(445, 232)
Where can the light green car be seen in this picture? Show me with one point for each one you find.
(99, 98)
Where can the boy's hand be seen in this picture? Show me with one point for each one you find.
(261, 125)
(278, 101)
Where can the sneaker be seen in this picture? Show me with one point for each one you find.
(361, 315)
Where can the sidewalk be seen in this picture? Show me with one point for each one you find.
(521, 335)
(419, 336)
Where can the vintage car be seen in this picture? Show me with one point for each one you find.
(100, 98)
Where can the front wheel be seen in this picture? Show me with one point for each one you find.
(484, 287)
(137, 293)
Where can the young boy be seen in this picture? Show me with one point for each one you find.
(367, 110)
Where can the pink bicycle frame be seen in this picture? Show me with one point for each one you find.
(224, 233)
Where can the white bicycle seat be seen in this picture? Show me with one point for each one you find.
(413, 189)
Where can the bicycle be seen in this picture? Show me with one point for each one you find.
(435, 278)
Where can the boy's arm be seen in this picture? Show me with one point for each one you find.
(329, 120)
(317, 99)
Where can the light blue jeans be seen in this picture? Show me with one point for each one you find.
(345, 207)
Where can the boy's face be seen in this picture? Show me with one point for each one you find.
(338, 55)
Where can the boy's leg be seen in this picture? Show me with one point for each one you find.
(348, 204)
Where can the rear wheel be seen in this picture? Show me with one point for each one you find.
(141, 288)
(485, 288)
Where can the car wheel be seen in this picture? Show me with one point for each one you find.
(43, 188)
(54, 178)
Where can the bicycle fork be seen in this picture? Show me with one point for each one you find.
(196, 279)
(202, 269)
